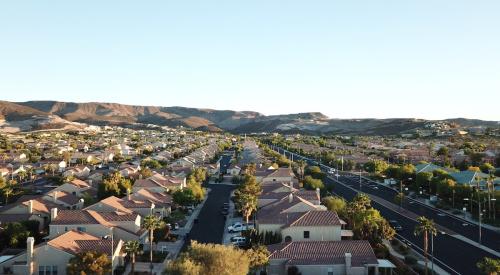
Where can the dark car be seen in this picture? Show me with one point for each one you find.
(395, 225)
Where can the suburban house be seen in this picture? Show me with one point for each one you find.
(323, 257)
(28, 209)
(273, 216)
(52, 257)
(64, 199)
(76, 187)
(126, 225)
(129, 204)
(81, 172)
(277, 175)
(159, 183)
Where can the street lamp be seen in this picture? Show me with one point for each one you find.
(112, 252)
(479, 213)
(494, 208)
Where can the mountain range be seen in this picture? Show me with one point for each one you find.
(39, 115)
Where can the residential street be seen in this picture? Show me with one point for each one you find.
(210, 225)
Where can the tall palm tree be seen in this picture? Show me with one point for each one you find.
(425, 227)
(7, 191)
(151, 223)
(132, 248)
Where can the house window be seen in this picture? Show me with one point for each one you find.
(65, 229)
(54, 270)
(81, 229)
(288, 239)
(330, 271)
(306, 234)
(41, 270)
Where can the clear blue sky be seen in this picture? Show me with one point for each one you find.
(348, 59)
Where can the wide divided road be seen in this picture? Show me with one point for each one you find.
(451, 254)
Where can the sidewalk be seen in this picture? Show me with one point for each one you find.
(467, 217)
(226, 237)
(396, 254)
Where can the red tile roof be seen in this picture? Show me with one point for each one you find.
(317, 218)
(324, 252)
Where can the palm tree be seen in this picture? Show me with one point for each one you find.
(151, 223)
(489, 266)
(7, 191)
(425, 227)
(132, 247)
(301, 166)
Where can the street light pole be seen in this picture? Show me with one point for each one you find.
(453, 198)
(432, 252)
(360, 180)
(112, 252)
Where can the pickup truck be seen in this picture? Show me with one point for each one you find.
(238, 227)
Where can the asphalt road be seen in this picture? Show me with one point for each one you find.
(457, 256)
(210, 225)
(489, 238)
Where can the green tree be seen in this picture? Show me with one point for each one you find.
(210, 259)
(423, 179)
(113, 184)
(184, 266)
(311, 183)
(90, 262)
(15, 234)
(335, 204)
(425, 227)
(486, 167)
(301, 166)
(376, 166)
(151, 223)
(184, 197)
(489, 266)
(132, 248)
(246, 196)
(315, 172)
(7, 192)
(258, 256)
(443, 151)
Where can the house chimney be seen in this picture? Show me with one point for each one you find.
(53, 214)
(30, 244)
(318, 195)
(140, 176)
(81, 202)
(348, 266)
(290, 198)
(90, 182)
(128, 194)
(30, 206)
(163, 173)
(291, 185)
(54, 196)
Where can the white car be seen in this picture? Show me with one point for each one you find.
(238, 241)
(238, 227)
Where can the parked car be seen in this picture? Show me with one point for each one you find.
(238, 241)
(395, 225)
(238, 227)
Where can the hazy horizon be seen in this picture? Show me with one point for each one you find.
(364, 59)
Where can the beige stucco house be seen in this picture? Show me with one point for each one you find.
(53, 256)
